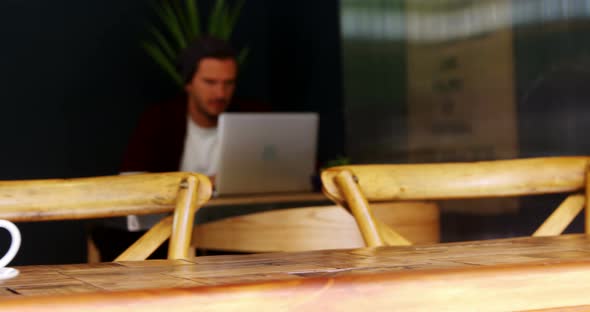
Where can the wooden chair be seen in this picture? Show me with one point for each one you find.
(112, 196)
(354, 186)
(313, 228)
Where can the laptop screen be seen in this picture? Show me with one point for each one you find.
(266, 152)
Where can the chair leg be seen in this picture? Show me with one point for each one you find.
(148, 242)
(92, 252)
(192, 251)
(391, 237)
(562, 216)
(359, 207)
(184, 218)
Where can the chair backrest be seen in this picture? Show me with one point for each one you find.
(111, 196)
(354, 186)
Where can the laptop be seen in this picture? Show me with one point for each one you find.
(266, 152)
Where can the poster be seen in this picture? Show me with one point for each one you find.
(460, 84)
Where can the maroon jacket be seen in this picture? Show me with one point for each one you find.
(158, 141)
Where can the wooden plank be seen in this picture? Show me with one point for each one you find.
(59, 199)
(110, 196)
(515, 274)
(83, 198)
(538, 286)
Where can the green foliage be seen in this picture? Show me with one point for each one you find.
(182, 24)
(339, 161)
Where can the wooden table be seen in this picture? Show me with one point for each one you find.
(494, 275)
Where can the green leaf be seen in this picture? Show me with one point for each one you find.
(192, 12)
(163, 42)
(164, 62)
(214, 18)
(182, 24)
(182, 20)
(222, 24)
(171, 22)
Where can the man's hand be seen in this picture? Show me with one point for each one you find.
(212, 178)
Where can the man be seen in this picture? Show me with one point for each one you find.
(177, 136)
(183, 136)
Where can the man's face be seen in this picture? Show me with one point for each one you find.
(212, 86)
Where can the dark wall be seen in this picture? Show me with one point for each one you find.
(306, 66)
(552, 74)
(74, 80)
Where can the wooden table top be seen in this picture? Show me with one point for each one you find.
(507, 274)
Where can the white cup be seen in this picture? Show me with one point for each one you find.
(14, 244)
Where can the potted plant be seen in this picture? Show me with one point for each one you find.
(338, 161)
(181, 23)
(316, 180)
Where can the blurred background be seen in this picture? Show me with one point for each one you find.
(394, 81)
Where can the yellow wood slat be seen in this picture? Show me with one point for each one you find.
(184, 216)
(109, 196)
(148, 242)
(562, 216)
(463, 180)
(82, 198)
(390, 236)
(359, 207)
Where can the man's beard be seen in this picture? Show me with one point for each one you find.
(201, 109)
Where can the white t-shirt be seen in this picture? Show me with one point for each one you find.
(200, 154)
(201, 149)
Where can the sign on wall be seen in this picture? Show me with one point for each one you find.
(460, 83)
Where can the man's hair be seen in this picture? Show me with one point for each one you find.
(204, 47)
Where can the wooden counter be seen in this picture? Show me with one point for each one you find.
(493, 275)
